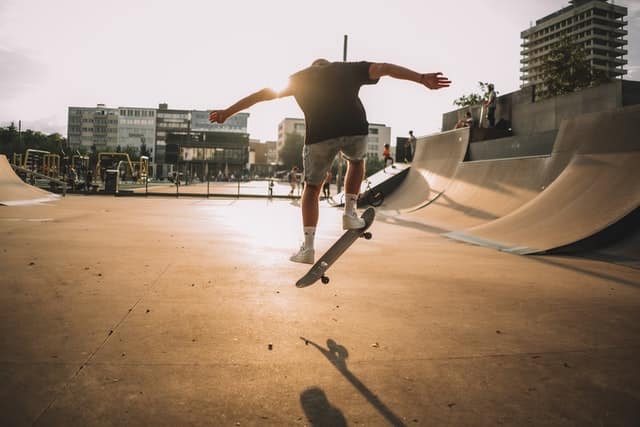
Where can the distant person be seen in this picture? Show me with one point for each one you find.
(336, 122)
(88, 179)
(466, 122)
(386, 155)
(326, 187)
(490, 103)
(293, 180)
(72, 178)
(410, 147)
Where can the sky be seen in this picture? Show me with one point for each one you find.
(195, 54)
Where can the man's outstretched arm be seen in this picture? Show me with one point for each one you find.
(429, 80)
(266, 94)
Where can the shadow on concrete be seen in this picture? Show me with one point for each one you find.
(337, 355)
(545, 259)
(319, 411)
(414, 225)
(467, 210)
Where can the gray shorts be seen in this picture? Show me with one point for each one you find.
(317, 158)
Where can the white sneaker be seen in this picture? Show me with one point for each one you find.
(304, 255)
(352, 222)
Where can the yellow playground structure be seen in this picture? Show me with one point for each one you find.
(40, 161)
(138, 171)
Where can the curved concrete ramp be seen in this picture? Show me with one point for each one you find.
(14, 191)
(484, 191)
(435, 162)
(599, 186)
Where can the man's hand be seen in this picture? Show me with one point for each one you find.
(434, 80)
(217, 116)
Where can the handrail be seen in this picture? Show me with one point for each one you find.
(42, 176)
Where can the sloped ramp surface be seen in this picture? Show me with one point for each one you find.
(434, 164)
(599, 186)
(384, 181)
(483, 191)
(14, 191)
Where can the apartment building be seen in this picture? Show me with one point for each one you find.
(286, 127)
(596, 25)
(88, 126)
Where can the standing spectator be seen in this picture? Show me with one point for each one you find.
(72, 177)
(87, 180)
(326, 187)
(490, 104)
(410, 147)
(293, 180)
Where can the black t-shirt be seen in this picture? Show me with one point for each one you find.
(328, 96)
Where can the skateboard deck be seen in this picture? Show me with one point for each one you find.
(317, 271)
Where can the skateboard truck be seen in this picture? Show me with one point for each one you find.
(324, 265)
(317, 271)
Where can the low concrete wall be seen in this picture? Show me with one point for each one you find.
(540, 144)
(529, 117)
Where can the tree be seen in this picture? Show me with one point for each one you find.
(291, 151)
(373, 165)
(567, 69)
(133, 152)
(10, 141)
(473, 98)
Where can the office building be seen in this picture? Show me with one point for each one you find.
(286, 127)
(137, 128)
(236, 123)
(379, 135)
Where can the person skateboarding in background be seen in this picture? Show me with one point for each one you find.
(336, 121)
(386, 154)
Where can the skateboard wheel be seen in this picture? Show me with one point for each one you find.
(367, 235)
(324, 279)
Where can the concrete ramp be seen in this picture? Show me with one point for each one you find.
(485, 191)
(14, 191)
(435, 163)
(384, 182)
(599, 186)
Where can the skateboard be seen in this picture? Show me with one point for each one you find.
(317, 271)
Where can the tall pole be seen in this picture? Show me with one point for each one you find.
(344, 49)
(340, 161)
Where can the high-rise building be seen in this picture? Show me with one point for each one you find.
(595, 25)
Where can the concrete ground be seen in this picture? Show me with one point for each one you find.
(135, 311)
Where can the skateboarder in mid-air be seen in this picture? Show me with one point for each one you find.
(335, 119)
